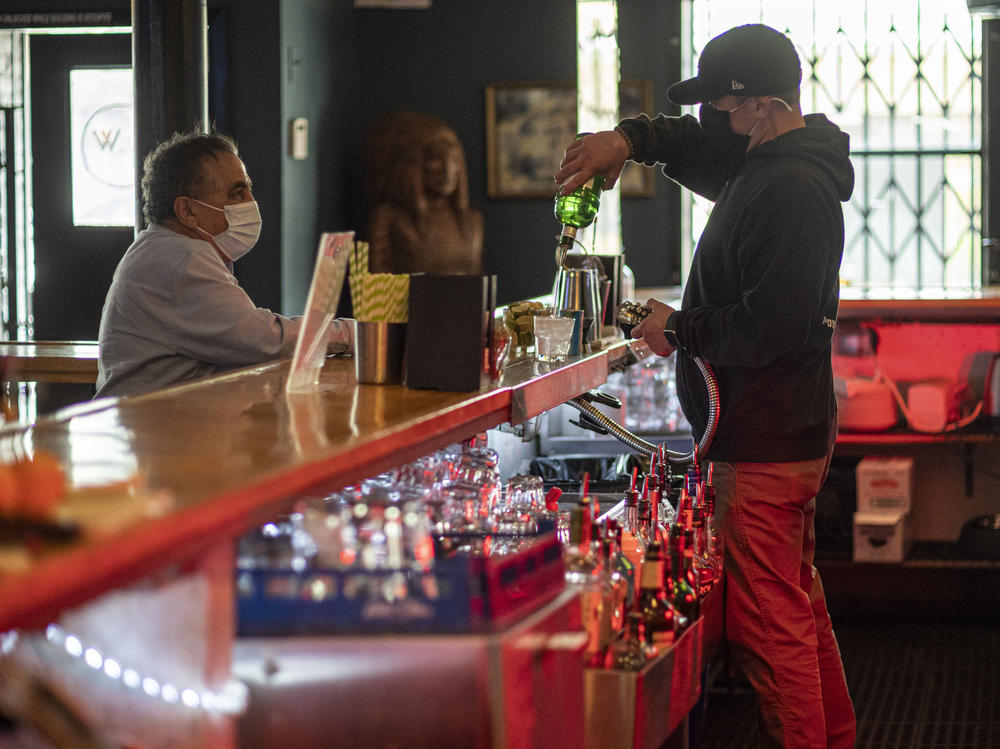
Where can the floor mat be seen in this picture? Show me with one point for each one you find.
(914, 686)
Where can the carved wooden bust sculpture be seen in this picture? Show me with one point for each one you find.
(419, 218)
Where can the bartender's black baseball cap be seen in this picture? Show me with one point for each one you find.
(751, 60)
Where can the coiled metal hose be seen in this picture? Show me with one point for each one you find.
(640, 445)
(629, 315)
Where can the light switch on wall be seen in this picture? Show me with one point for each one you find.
(298, 138)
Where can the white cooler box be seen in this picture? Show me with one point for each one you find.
(881, 536)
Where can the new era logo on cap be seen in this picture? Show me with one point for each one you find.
(737, 86)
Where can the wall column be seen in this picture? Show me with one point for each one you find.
(170, 69)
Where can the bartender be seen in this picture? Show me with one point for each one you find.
(175, 312)
(760, 306)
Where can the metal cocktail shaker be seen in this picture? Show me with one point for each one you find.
(579, 289)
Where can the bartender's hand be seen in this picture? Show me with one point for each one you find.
(651, 328)
(599, 153)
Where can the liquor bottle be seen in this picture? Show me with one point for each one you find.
(622, 564)
(681, 622)
(654, 491)
(645, 531)
(583, 573)
(685, 509)
(694, 473)
(694, 479)
(577, 210)
(685, 596)
(580, 523)
(657, 611)
(715, 547)
(690, 564)
(631, 543)
(704, 563)
(630, 653)
(613, 594)
(668, 495)
(660, 470)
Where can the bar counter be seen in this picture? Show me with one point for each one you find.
(50, 361)
(223, 455)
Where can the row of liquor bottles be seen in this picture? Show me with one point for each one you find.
(642, 576)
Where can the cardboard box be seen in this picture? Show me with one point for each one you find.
(881, 536)
(884, 483)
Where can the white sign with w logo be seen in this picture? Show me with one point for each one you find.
(103, 146)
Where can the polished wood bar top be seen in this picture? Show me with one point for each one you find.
(50, 361)
(233, 451)
(859, 303)
(983, 306)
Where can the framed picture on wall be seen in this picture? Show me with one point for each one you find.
(528, 126)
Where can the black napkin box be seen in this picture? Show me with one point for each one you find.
(450, 322)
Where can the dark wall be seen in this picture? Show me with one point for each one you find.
(252, 115)
(649, 36)
(341, 67)
(253, 98)
(321, 82)
(441, 59)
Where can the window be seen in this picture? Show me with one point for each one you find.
(904, 80)
(597, 99)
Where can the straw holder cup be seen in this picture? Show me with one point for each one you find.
(379, 349)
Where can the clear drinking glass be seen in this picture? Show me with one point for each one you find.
(552, 338)
(480, 467)
(459, 509)
(525, 493)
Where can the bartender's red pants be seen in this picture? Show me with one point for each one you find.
(777, 624)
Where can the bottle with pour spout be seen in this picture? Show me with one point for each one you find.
(577, 210)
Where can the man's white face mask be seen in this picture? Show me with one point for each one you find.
(244, 228)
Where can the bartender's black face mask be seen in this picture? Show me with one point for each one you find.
(715, 123)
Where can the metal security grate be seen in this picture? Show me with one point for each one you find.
(904, 80)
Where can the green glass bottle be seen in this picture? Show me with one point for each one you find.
(657, 611)
(685, 595)
(631, 652)
(577, 210)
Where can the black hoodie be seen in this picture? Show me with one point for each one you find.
(760, 303)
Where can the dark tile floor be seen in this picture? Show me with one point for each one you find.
(929, 685)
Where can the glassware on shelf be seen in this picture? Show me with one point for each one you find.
(525, 493)
(459, 509)
(480, 466)
(649, 397)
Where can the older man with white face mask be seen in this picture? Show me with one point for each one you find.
(175, 311)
